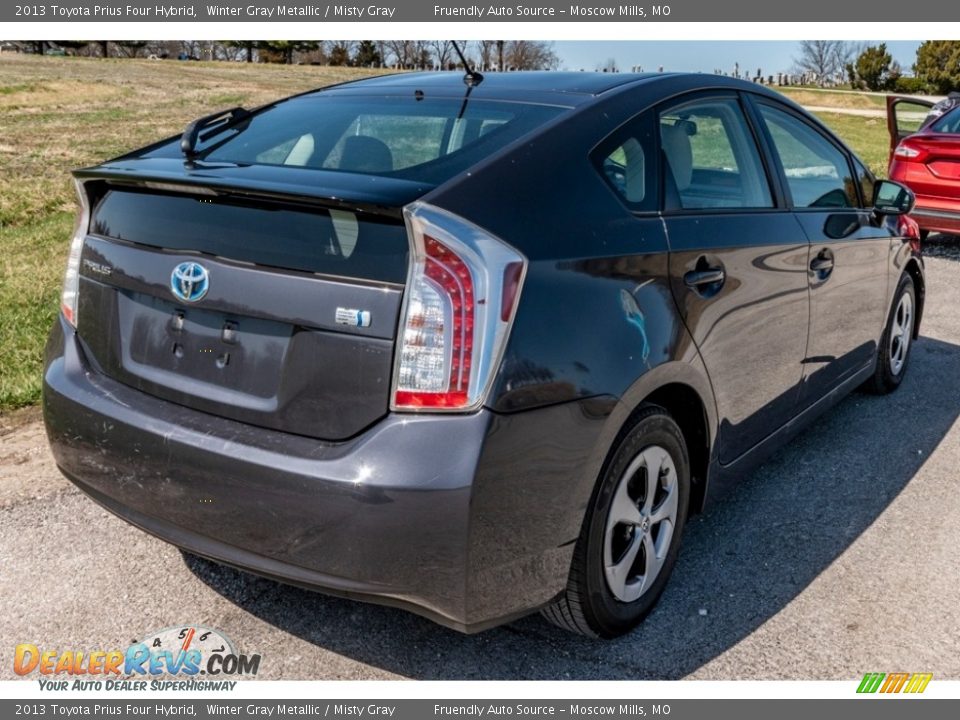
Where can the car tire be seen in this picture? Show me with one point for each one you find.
(631, 534)
(893, 352)
(924, 234)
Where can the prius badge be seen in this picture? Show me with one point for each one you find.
(189, 281)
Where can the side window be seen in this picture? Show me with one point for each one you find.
(817, 172)
(626, 169)
(710, 157)
(866, 180)
(625, 162)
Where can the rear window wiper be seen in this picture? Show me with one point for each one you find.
(213, 124)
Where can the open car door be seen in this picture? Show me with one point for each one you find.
(905, 115)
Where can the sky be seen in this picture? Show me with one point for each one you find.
(700, 56)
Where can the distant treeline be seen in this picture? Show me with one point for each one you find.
(398, 54)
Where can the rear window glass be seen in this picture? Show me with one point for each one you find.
(949, 123)
(426, 140)
(332, 242)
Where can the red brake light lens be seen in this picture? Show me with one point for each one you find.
(461, 295)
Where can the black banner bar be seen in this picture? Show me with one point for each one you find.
(429, 11)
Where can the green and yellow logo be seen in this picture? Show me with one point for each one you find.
(894, 682)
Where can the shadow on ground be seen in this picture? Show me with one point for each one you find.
(743, 561)
(942, 246)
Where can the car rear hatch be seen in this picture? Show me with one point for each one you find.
(941, 153)
(256, 270)
(276, 312)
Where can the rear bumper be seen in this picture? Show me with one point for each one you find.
(420, 512)
(937, 217)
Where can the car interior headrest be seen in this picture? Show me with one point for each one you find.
(362, 153)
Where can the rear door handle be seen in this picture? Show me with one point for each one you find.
(699, 278)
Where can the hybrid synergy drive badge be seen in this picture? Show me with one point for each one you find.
(352, 316)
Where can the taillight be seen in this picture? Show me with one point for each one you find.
(71, 280)
(906, 151)
(462, 291)
(909, 230)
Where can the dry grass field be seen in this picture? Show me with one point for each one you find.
(847, 100)
(60, 113)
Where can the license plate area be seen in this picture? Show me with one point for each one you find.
(172, 345)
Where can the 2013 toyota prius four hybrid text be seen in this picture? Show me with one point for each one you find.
(470, 346)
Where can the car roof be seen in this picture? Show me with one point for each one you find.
(567, 88)
(550, 87)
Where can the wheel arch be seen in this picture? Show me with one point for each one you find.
(913, 269)
(689, 411)
(684, 391)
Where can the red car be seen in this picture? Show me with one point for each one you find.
(925, 156)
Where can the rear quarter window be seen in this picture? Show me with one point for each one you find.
(949, 123)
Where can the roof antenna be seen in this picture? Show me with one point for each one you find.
(472, 78)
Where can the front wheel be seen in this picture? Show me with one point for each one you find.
(631, 535)
(894, 350)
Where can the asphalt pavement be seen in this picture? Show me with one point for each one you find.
(839, 556)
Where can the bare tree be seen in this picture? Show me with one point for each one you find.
(530, 55)
(130, 48)
(190, 49)
(74, 47)
(421, 55)
(382, 50)
(824, 59)
(244, 49)
(340, 53)
(486, 49)
(442, 52)
(403, 53)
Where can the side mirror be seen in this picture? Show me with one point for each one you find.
(892, 198)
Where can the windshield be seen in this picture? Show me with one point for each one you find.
(409, 137)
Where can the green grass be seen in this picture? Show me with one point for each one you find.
(814, 97)
(57, 114)
(31, 269)
(867, 137)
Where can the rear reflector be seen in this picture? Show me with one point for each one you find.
(461, 295)
(907, 151)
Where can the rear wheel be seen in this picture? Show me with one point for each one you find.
(894, 350)
(631, 535)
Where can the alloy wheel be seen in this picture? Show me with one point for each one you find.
(901, 331)
(640, 523)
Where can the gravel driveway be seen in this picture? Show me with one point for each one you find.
(837, 557)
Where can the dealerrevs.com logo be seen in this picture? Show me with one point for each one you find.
(183, 652)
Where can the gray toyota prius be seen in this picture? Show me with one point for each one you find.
(473, 346)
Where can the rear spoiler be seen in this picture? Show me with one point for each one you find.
(329, 189)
